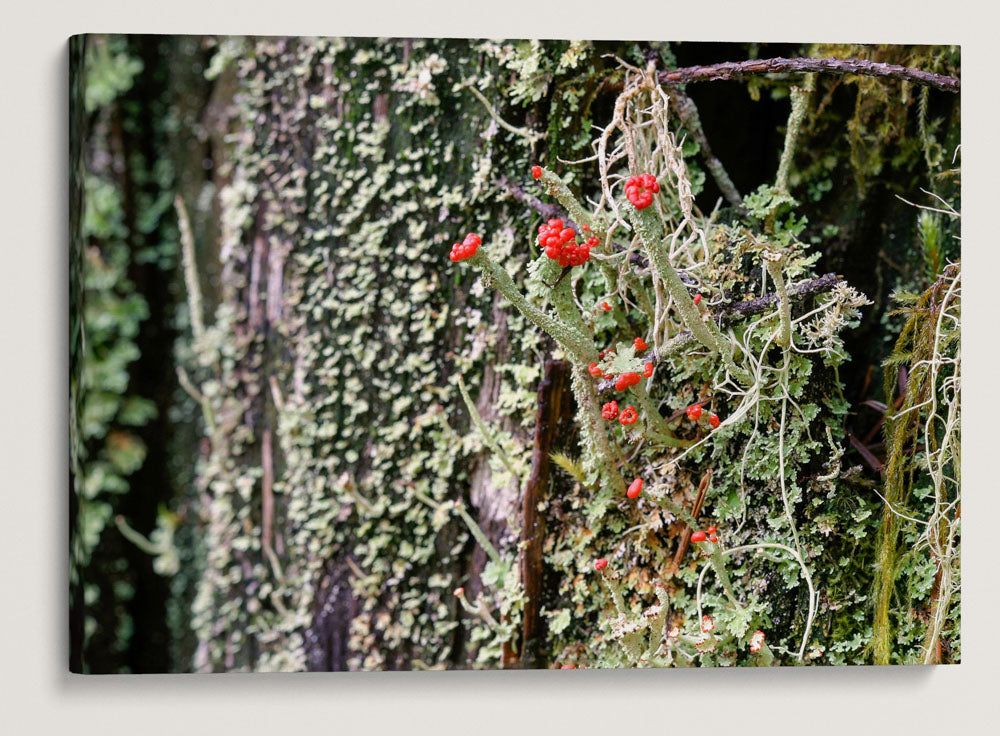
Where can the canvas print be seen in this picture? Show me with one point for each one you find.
(426, 354)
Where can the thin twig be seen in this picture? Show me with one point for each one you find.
(737, 69)
(190, 270)
(531, 136)
(682, 548)
(819, 285)
(545, 209)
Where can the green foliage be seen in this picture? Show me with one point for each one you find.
(110, 71)
(922, 480)
(106, 449)
(122, 183)
(766, 200)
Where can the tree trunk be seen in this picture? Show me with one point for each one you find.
(342, 325)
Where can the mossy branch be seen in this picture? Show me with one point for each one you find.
(657, 428)
(593, 436)
(568, 338)
(707, 333)
(738, 69)
(775, 263)
(923, 339)
(800, 105)
(556, 187)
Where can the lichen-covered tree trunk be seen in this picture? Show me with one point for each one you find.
(330, 363)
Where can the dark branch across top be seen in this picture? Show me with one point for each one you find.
(737, 69)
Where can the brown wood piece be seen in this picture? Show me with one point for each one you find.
(552, 402)
(699, 499)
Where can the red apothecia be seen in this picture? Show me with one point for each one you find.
(626, 379)
(629, 415)
(640, 190)
(466, 249)
(560, 244)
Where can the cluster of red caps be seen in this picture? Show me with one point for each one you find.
(640, 190)
(699, 536)
(625, 380)
(628, 415)
(560, 243)
(610, 411)
(629, 378)
(466, 249)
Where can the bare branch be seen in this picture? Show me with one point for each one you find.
(737, 69)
